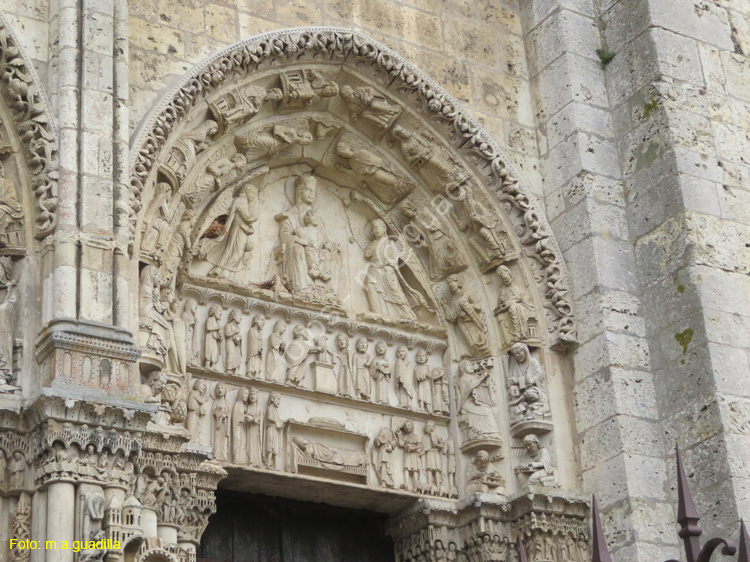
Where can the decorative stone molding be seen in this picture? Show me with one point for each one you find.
(484, 528)
(33, 125)
(344, 47)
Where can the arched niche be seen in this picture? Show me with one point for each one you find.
(28, 204)
(261, 187)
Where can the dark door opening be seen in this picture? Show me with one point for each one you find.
(253, 528)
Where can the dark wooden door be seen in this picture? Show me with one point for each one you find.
(251, 528)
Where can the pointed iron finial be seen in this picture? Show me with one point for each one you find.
(687, 514)
(521, 549)
(599, 546)
(744, 543)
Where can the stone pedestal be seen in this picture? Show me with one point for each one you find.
(323, 377)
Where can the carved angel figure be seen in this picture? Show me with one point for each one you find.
(375, 172)
(178, 248)
(437, 169)
(464, 309)
(445, 256)
(219, 172)
(255, 346)
(237, 246)
(363, 102)
(268, 142)
(488, 238)
(515, 310)
(388, 293)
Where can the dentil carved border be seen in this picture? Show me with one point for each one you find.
(353, 49)
(33, 125)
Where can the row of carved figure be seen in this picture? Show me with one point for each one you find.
(338, 369)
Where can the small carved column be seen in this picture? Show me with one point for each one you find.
(61, 500)
(39, 523)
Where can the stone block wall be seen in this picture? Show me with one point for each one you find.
(474, 50)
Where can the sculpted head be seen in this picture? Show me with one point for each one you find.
(400, 132)
(342, 342)
(482, 460)
(220, 390)
(361, 345)
(454, 283)
(429, 427)
(532, 443)
(253, 395)
(259, 320)
(520, 352)
(505, 275)
(347, 92)
(421, 357)
(378, 229)
(275, 399)
(305, 190)
(243, 394)
(401, 352)
(380, 348)
(408, 426)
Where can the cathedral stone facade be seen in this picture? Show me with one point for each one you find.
(451, 267)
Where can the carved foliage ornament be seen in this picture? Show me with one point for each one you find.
(355, 50)
(33, 126)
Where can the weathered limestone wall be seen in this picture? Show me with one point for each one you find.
(678, 89)
(474, 50)
(644, 164)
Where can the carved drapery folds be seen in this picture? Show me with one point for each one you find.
(341, 279)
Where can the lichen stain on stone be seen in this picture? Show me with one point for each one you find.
(680, 288)
(650, 106)
(684, 338)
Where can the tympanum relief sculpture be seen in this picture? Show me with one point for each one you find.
(299, 202)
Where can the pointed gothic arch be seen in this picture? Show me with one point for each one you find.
(264, 189)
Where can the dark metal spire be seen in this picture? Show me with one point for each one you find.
(744, 543)
(687, 514)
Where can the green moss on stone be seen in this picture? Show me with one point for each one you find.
(684, 338)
